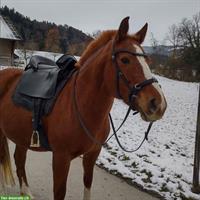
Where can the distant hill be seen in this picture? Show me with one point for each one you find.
(46, 36)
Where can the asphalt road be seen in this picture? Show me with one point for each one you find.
(105, 185)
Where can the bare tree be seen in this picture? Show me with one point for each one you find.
(174, 38)
(185, 38)
(154, 43)
(186, 34)
(196, 31)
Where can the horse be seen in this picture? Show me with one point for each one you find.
(112, 66)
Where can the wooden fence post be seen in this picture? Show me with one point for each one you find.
(196, 186)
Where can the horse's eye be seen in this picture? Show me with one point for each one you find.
(125, 60)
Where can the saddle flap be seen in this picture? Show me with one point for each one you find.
(39, 78)
(39, 84)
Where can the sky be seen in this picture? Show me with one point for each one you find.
(92, 15)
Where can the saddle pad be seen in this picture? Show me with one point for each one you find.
(40, 83)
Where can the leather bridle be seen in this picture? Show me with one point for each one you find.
(133, 92)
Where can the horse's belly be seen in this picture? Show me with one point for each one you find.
(16, 123)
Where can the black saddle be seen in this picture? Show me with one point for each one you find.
(40, 78)
(41, 83)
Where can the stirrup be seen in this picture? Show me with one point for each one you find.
(35, 140)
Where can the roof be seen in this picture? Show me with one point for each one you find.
(7, 30)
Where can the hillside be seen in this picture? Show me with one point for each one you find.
(41, 35)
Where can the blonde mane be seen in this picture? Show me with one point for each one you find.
(95, 45)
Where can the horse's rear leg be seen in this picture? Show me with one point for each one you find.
(20, 160)
(61, 164)
(89, 160)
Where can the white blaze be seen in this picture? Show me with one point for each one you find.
(147, 73)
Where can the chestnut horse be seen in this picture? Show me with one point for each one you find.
(110, 65)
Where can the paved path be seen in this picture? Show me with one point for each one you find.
(105, 186)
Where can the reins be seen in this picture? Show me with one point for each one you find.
(80, 118)
(88, 132)
(90, 135)
(117, 138)
(133, 92)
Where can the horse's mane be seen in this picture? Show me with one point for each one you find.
(95, 45)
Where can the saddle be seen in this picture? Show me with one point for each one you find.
(38, 88)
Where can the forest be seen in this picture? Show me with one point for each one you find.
(46, 36)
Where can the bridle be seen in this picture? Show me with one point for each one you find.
(133, 92)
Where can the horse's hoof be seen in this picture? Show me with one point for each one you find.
(30, 195)
(26, 191)
(87, 194)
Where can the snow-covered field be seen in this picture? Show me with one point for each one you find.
(164, 164)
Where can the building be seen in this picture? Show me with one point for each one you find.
(8, 38)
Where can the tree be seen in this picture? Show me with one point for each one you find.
(154, 43)
(185, 34)
(186, 38)
(173, 38)
(52, 42)
(190, 32)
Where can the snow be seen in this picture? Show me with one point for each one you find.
(164, 164)
(24, 56)
(5, 31)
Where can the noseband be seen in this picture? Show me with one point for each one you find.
(133, 90)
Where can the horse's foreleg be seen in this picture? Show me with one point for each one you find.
(20, 160)
(61, 164)
(89, 160)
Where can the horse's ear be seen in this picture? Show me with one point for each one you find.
(140, 35)
(123, 30)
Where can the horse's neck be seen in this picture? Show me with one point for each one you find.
(93, 98)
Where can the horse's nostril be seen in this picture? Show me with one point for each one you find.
(153, 105)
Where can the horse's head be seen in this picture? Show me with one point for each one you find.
(130, 74)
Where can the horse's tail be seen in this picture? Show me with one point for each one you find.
(6, 174)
